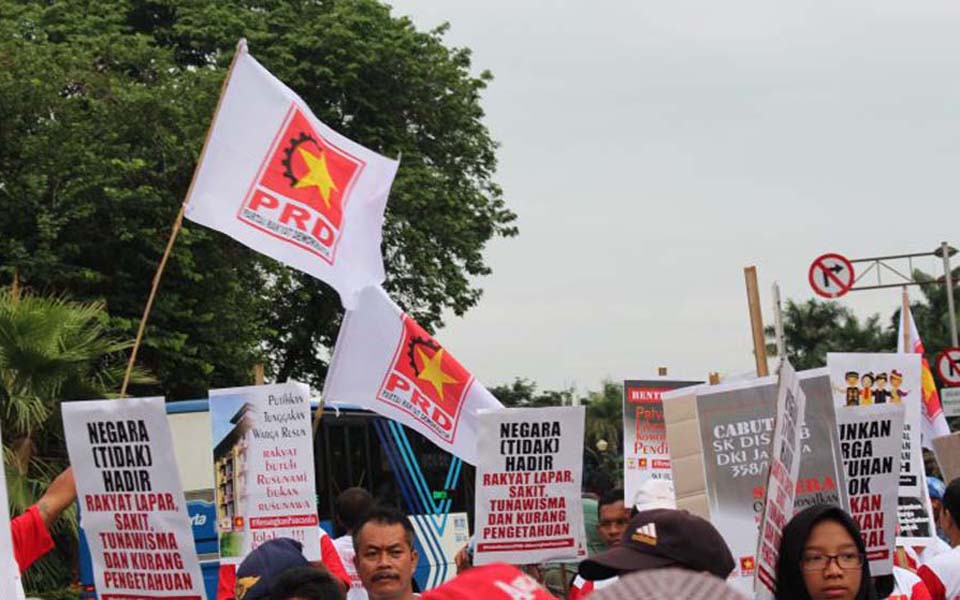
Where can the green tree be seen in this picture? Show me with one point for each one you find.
(605, 415)
(931, 315)
(105, 107)
(522, 393)
(50, 350)
(813, 328)
(604, 421)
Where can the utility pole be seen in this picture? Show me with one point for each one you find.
(945, 252)
(778, 323)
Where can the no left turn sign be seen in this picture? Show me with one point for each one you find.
(831, 275)
(948, 366)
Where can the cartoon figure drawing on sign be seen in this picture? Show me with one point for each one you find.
(866, 393)
(853, 388)
(880, 391)
(896, 380)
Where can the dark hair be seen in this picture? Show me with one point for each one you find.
(310, 583)
(790, 583)
(951, 500)
(384, 515)
(350, 507)
(597, 482)
(609, 497)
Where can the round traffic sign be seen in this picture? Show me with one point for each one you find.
(831, 275)
(948, 366)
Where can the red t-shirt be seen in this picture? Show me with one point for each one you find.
(942, 575)
(31, 539)
(328, 556)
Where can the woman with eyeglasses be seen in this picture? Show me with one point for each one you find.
(822, 557)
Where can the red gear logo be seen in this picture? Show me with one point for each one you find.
(426, 381)
(303, 188)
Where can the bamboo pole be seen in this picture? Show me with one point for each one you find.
(15, 286)
(756, 321)
(177, 223)
(905, 317)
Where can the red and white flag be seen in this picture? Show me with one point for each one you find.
(386, 362)
(276, 179)
(934, 422)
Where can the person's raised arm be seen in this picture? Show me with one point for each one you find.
(59, 495)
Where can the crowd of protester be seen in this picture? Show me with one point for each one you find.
(647, 550)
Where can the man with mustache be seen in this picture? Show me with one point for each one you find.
(385, 556)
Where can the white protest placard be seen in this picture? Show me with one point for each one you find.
(879, 378)
(263, 468)
(870, 441)
(9, 571)
(720, 438)
(645, 453)
(132, 507)
(528, 506)
(781, 488)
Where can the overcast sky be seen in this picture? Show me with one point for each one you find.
(654, 149)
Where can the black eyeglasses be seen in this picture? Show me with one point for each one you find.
(819, 562)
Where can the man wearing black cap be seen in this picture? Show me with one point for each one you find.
(662, 538)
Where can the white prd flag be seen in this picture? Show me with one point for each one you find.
(132, 507)
(934, 422)
(9, 571)
(386, 362)
(276, 179)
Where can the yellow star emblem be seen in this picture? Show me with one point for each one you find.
(432, 371)
(317, 175)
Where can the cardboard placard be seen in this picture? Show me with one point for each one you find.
(947, 451)
(719, 438)
(132, 506)
(528, 506)
(9, 572)
(645, 453)
(870, 440)
(263, 465)
(866, 379)
(784, 472)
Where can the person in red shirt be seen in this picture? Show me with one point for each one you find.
(941, 574)
(328, 557)
(31, 530)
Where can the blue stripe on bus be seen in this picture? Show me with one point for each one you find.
(429, 523)
(380, 425)
(413, 469)
(391, 442)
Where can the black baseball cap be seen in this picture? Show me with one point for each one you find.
(261, 567)
(675, 584)
(663, 538)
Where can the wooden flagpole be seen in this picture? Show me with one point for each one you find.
(177, 223)
(15, 285)
(756, 321)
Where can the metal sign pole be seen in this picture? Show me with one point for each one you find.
(778, 323)
(948, 281)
